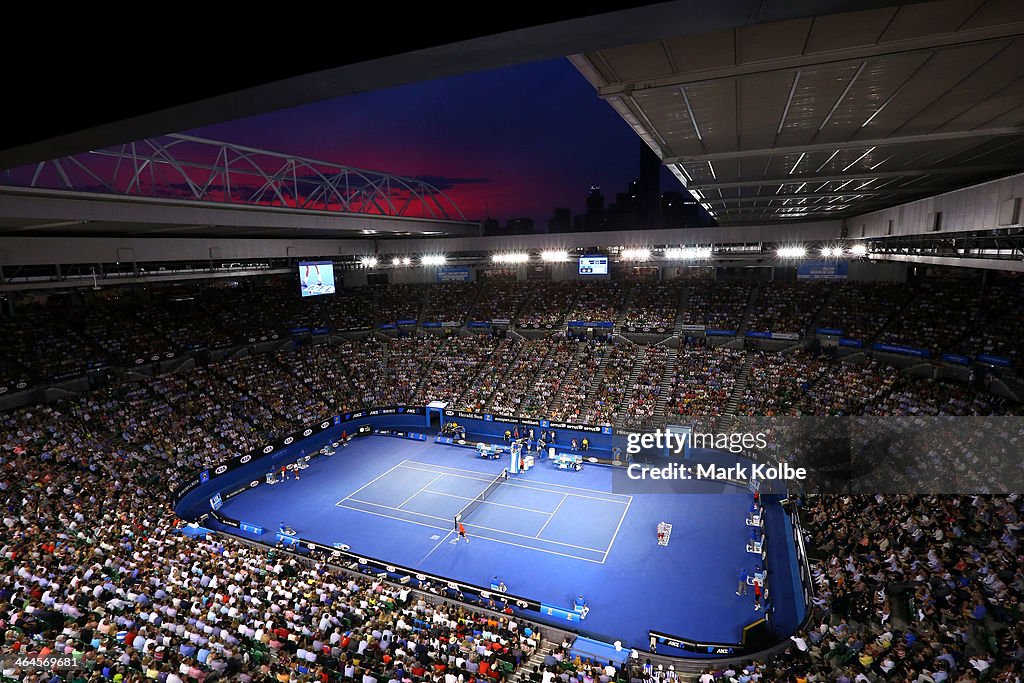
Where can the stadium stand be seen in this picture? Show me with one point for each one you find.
(921, 588)
(608, 393)
(449, 302)
(455, 366)
(653, 306)
(499, 299)
(546, 304)
(494, 373)
(646, 389)
(704, 378)
(862, 309)
(787, 307)
(938, 314)
(716, 305)
(597, 301)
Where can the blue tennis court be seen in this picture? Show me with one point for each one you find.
(528, 514)
(549, 534)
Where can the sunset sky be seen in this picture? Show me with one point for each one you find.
(514, 142)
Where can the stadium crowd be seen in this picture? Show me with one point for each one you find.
(642, 403)
(96, 569)
(703, 380)
(787, 307)
(653, 307)
(84, 331)
(716, 305)
(861, 309)
(95, 565)
(921, 589)
(611, 388)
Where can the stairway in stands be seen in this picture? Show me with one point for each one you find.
(536, 660)
(523, 346)
(425, 372)
(596, 380)
(738, 389)
(684, 300)
(627, 303)
(816, 319)
(744, 325)
(638, 363)
(668, 380)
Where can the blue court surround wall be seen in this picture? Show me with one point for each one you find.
(248, 471)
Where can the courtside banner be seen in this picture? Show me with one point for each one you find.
(648, 329)
(575, 427)
(394, 571)
(525, 421)
(257, 453)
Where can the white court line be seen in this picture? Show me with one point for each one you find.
(424, 559)
(468, 524)
(432, 466)
(619, 526)
(372, 480)
(411, 512)
(486, 538)
(535, 488)
(418, 492)
(400, 519)
(512, 533)
(564, 496)
(487, 502)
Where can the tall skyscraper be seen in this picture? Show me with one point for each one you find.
(649, 187)
(561, 221)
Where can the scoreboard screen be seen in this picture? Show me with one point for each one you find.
(593, 265)
(316, 277)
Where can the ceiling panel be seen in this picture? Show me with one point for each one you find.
(771, 41)
(943, 71)
(703, 51)
(816, 94)
(929, 18)
(639, 61)
(994, 13)
(762, 102)
(839, 112)
(878, 84)
(840, 31)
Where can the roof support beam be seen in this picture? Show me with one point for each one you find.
(824, 195)
(852, 55)
(850, 144)
(796, 180)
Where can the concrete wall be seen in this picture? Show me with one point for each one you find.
(42, 250)
(990, 205)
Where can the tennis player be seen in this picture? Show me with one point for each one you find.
(462, 532)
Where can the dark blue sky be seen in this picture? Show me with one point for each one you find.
(512, 142)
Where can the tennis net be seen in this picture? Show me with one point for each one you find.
(479, 500)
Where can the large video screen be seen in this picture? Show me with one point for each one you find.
(316, 277)
(594, 265)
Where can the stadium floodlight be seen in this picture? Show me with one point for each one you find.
(791, 252)
(368, 262)
(829, 252)
(521, 257)
(433, 260)
(858, 250)
(406, 261)
(396, 261)
(688, 253)
(636, 254)
(554, 255)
